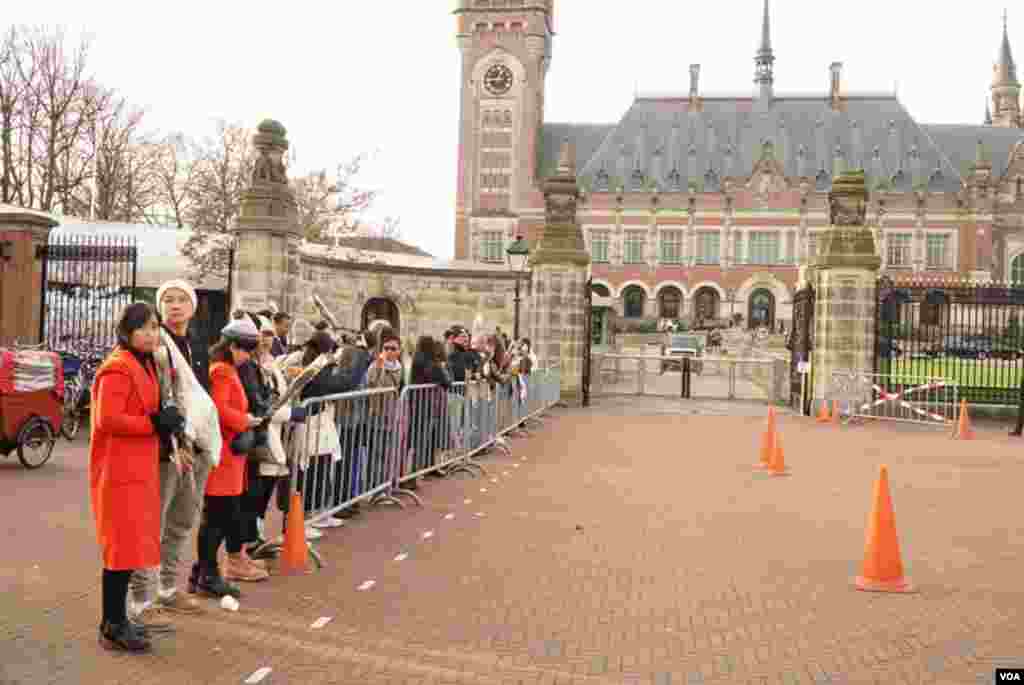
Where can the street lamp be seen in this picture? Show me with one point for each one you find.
(518, 254)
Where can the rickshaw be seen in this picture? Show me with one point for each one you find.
(31, 404)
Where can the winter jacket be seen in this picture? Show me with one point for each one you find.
(462, 363)
(228, 478)
(124, 477)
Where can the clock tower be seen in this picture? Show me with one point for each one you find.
(506, 50)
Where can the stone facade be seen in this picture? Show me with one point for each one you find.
(708, 203)
(844, 276)
(560, 267)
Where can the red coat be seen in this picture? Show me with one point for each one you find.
(124, 453)
(233, 409)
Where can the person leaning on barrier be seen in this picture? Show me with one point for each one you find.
(463, 362)
(385, 372)
(124, 478)
(427, 405)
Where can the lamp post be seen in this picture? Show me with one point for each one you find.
(518, 254)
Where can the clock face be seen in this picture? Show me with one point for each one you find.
(498, 79)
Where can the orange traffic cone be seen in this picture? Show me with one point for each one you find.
(835, 412)
(295, 552)
(882, 570)
(823, 416)
(963, 427)
(768, 441)
(778, 464)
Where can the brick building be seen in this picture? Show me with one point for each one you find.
(699, 204)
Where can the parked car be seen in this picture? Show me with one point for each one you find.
(978, 347)
(682, 345)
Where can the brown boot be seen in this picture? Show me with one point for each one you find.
(237, 569)
(258, 563)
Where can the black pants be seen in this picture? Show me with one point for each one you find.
(254, 501)
(221, 522)
(115, 596)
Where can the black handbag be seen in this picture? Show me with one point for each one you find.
(253, 444)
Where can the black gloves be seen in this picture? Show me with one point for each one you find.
(168, 421)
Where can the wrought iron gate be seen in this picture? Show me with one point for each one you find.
(588, 342)
(800, 344)
(86, 282)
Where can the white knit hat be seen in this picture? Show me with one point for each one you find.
(177, 284)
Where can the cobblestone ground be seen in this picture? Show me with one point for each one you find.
(631, 543)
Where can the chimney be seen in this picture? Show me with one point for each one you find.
(694, 81)
(836, 68)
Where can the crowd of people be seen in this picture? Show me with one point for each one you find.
(182, 434)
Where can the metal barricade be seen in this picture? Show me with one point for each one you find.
(895, 397)
(362, 446)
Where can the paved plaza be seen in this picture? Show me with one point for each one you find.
(632, 543)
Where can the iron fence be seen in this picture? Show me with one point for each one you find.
(969, 334)
(87, 281)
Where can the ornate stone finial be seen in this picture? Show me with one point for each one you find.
(270, 143)
(567, 159)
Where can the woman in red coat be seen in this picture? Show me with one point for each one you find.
(124, 479)
(222, 517)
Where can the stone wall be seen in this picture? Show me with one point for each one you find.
(429, 300)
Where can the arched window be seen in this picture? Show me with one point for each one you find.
(633, 300)
(761, 309)
(1017, 270)
(669, 300)
(600, 290)
(705, 304)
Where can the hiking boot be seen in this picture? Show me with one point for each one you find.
(180, 603)
(236, 568)
(123, 636)
(154, 619)
(212, 585)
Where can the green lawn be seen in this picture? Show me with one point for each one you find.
(990, 373)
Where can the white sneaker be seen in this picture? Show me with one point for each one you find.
(329, 522)
(313, 533)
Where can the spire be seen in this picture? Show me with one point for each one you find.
(1005, 70)
(765, 58)
(766, 38)
(988, 114)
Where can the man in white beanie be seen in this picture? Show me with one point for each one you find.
(181, 491)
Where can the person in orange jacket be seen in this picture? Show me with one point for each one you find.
(124, 477)
(222, 519)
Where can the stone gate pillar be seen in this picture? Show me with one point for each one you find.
(267, 230)
(22, 233)
(560, 264)
(844, 274)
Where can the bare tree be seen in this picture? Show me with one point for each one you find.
(333, 209)
(62, 101)
(222, 169)
(174, 172)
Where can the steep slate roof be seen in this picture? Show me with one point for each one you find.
(727, 136)
(375, 244)
(959, 142)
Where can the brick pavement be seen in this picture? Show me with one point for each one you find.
(632, 545)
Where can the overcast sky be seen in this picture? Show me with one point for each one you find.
(351, 76)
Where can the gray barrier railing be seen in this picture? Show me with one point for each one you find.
(363, 446)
